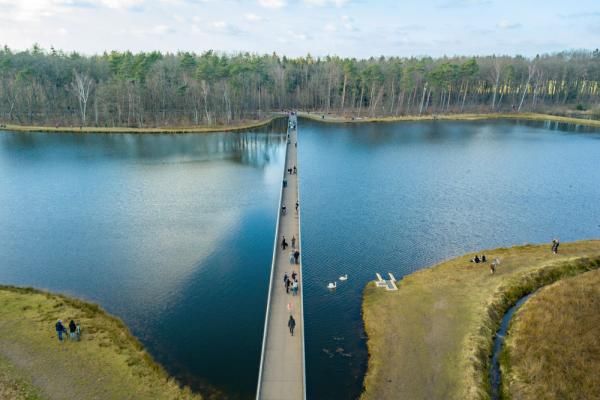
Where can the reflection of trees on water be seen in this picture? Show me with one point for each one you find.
(256, 147)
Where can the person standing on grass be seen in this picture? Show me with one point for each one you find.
(59, 329)
(72, 329)
(291, 325)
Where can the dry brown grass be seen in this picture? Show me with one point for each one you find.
(432, 338)
(553, 346)
(241, 126)
(108, 363)
(334, 118)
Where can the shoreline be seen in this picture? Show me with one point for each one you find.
(121, 130)
(107, 351)
(443, 318)
(315, 116)
(337, 119)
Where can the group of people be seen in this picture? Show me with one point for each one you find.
(291, 283)
(295, 255)
(74, 330)
(292, 170)
(477, 260)
(555, 244)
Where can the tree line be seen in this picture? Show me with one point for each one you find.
(152, 89)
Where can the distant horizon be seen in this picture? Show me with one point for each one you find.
(345, 28)
(315, 56)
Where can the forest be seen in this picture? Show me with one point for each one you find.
(152, 89)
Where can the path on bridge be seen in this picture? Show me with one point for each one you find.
(281, 374)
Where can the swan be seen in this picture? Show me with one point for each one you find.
(344, 277)
(332, 285)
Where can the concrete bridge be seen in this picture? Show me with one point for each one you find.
(281, 374)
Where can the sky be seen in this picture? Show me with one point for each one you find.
(348, 28)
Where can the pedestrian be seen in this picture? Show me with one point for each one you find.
(283, 243)
(293, 242)
(295, 170)
(285, 278)
(294, 275)
(296, 256)
(556, 246)
(72, 329)
(292, 324)
(295, 288)
(287, 286)
(59, 329)
(283, 209)
(78, 332)
(492, 268)
(292, 257)
(295, 144)
(483, 259)
(297, 205)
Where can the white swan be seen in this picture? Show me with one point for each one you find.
(332, 285)
(344, 277)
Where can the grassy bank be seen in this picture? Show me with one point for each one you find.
(433, 337)
(553, 346)
(242, 126)
(332, 118)
(108, 362)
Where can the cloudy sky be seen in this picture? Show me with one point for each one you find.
(359, 28)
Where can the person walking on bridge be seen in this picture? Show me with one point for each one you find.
(291, 325)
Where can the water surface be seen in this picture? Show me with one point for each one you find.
(400, 197)
(172, 233)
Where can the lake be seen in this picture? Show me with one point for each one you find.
(174, 233)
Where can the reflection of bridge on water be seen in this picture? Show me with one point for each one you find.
(255, 149)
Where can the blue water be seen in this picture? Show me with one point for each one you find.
(173, 233)
(495, 376)
(399, 197)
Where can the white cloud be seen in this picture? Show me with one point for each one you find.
(272, 3)
(504, 24)
(330, 28)
(299, 35)
(348, 23)
(119, 4)
(253, 17)
(223, 28)
(162, 29)
(321, 3)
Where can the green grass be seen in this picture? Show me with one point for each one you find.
(242, 126)
(453, 117)
(553, 346)
(108, 363)
(433, 337)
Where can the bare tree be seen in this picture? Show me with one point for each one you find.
(82, 85)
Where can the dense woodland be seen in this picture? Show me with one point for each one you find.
(51, 87)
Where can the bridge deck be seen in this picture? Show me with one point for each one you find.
(281, 373)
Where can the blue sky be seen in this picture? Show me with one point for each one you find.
(357, 28)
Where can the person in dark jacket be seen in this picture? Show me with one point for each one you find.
(60, 329)
(292, 324)
(72, 329)
(296, 256)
